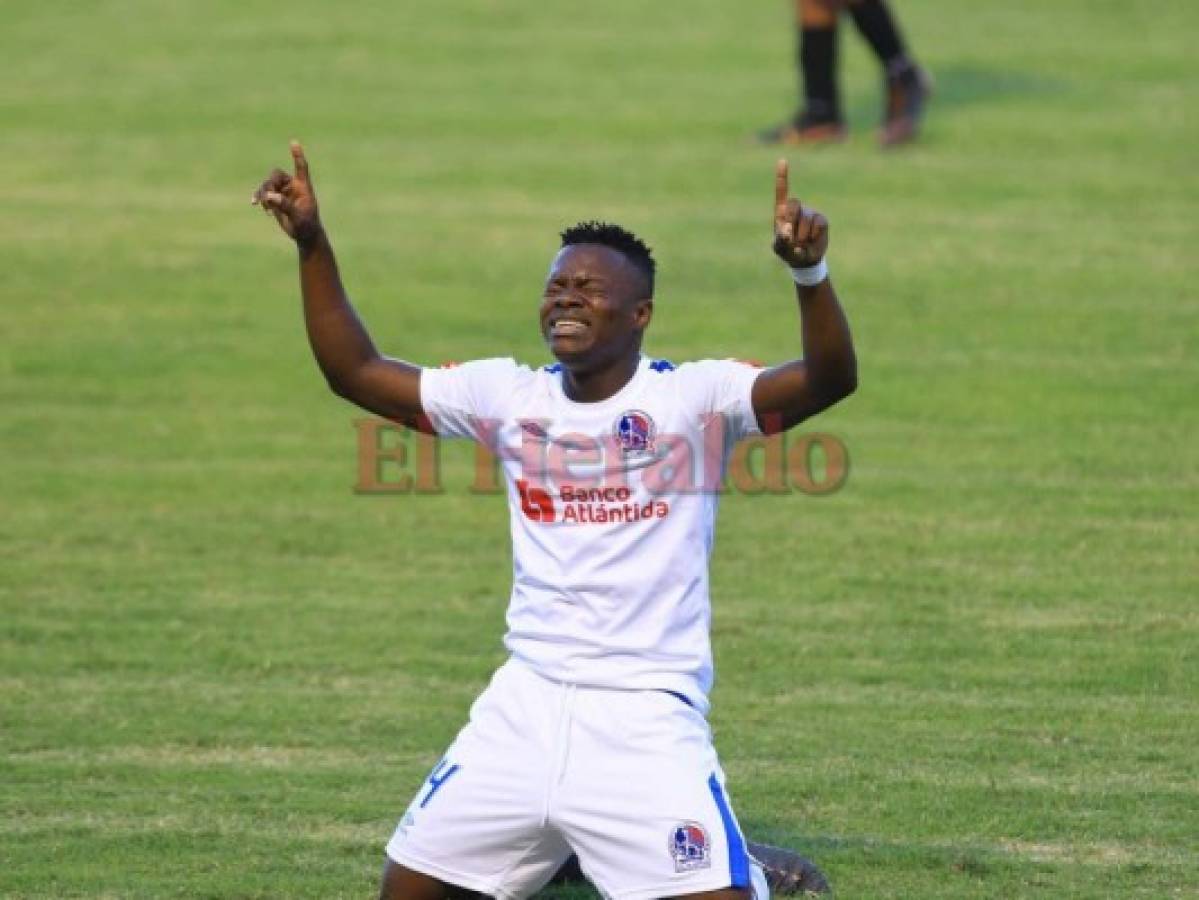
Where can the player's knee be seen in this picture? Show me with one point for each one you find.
(400, 883)
(730, 893)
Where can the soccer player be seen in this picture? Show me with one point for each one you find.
(593, 736)
(906, 86)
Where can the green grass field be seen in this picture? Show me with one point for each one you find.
(974, 672)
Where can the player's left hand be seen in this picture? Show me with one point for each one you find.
(800, 234)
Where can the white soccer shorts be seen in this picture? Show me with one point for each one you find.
(628, 780)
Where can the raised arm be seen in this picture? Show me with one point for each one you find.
(344, 351)
(785, 395)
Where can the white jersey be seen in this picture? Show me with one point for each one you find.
(612, 508)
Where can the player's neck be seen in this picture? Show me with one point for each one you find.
(597, 385)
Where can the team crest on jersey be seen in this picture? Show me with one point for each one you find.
(634, 433)
(689, 847)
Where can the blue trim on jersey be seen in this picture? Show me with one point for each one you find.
(658, 365)
(738, 858)
(436, 779)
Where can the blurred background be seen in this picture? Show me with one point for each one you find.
(969, 673)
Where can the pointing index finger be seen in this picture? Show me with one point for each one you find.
(780, 187)
(301, 164)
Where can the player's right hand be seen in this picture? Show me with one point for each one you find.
(291, 199)
(800, 232)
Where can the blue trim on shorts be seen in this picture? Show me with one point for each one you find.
(682, 697)
(738, 858)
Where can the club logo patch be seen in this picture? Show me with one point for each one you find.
(689, 847)
(634, 433)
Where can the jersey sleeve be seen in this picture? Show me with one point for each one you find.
(468, 400)
(723, 388)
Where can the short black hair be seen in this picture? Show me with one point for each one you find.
(619, 239)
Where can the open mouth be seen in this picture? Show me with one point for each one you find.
(567, 327)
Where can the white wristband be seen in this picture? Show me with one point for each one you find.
(811, 275)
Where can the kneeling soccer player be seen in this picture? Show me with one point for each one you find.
(592, 738)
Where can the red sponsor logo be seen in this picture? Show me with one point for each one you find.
(535, 503)
(587, 506)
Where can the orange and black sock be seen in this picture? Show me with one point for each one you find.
(818, 66)
(874, 20)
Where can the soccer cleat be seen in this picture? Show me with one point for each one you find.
(806, 128)
(907, 93)
(787, 873)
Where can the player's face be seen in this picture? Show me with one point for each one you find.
(594, 308)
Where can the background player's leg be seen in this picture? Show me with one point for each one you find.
(907, 85)
(819, 119)
(821, 115)
(400, 883)
(877, 25)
